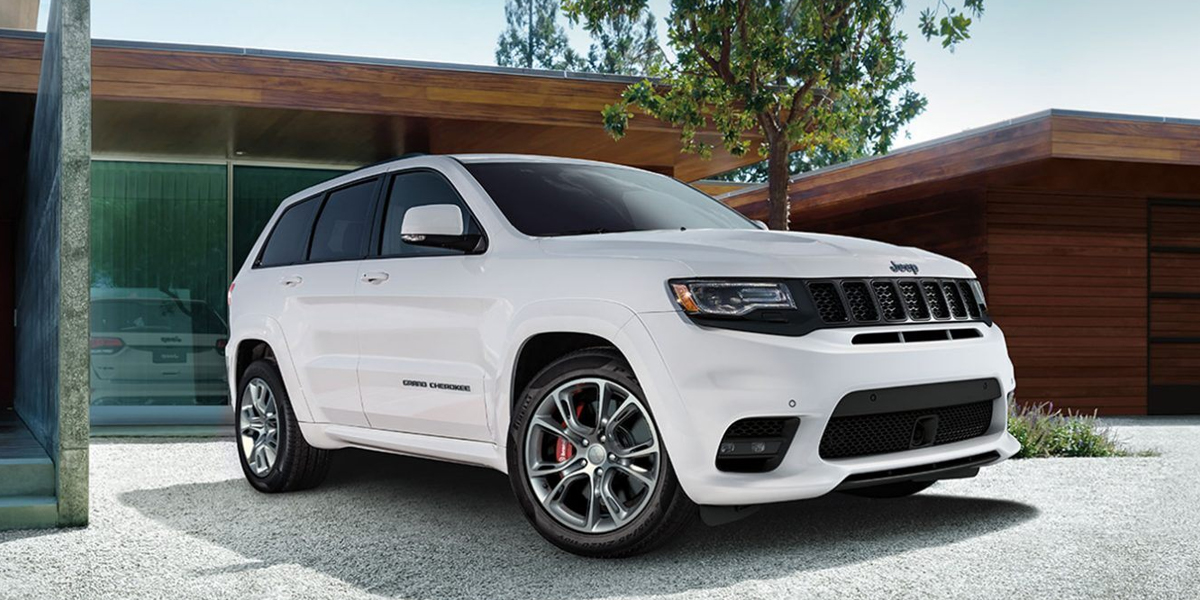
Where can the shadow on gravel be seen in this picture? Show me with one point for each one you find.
(406, 527)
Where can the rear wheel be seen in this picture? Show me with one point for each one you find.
(273, 453)
(586, 462)
(892, 490)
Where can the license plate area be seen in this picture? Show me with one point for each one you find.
(170, 357)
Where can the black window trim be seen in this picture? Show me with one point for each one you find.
(376, 249)
(375, 180)
(318, 198)
(323, 198)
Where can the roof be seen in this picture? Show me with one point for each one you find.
(1050, 134)
(176, 100)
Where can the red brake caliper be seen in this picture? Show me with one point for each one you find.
(564, 450)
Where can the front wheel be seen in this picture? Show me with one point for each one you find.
(586, 462)
(274, 455)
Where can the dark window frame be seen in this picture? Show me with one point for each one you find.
(376, 250)
(319, 199)
(375, 181)
(323, 198)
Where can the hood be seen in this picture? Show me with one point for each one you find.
(758, 253)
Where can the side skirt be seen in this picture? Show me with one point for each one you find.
(468, 452)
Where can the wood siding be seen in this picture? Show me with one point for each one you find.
(951, 224)
(463, 109)
(1067, 282)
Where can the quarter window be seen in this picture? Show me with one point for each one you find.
(290, 236)
(342, 229)
(419, 188)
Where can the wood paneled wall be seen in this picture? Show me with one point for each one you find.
(1067, 282)
(951, 224)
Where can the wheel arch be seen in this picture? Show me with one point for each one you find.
(258, 336)
(551, 329)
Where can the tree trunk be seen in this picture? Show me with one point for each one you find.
(777, 184)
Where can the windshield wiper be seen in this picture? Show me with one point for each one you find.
(594, 230)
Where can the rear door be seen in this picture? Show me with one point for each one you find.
(423, 356)
(315, 303)
(1174, 307)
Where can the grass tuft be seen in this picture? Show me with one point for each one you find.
(1045, 432)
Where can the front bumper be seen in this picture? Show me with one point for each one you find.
(699, 381)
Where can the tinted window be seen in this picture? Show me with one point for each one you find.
(288, 240)
(567, 199)
(418, 188)
(344, 225)
(155, 316)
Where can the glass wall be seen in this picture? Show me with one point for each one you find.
(161, 256)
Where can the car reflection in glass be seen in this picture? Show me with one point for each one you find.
(156, 347)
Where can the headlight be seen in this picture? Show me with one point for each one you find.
(730, 298)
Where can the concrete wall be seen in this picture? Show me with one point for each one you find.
(52, 263)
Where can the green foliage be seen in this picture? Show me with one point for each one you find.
(625, 45)
(778, 75)
(1045, 432)
(533, 38)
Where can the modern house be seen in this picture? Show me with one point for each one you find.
(137, 176)
(1084, 227)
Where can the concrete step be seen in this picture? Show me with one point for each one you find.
(26, 477)
(28, 512)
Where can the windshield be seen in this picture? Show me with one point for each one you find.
(550, 199)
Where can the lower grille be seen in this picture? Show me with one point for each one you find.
(864, 435)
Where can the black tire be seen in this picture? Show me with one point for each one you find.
(297, 465)
(667, 511)
(892, 490)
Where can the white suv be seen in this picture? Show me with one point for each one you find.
(625, 347)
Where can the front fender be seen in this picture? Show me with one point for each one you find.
(600, 318)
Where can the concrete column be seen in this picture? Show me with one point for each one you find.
(53, 260)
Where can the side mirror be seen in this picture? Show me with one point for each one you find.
(761, 225)
(440, 226)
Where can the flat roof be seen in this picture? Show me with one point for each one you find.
(1054, 133)
(177, 100)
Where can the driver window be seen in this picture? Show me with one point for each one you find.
(412, 189)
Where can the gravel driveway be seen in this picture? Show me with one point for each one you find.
(174, 519)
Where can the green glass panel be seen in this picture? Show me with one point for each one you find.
(159, 275)
(257, 192)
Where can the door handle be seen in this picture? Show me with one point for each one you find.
(375, 277)
(292, 281)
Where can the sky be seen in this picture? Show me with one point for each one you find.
(1024, 56)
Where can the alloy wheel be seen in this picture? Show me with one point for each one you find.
(592, 455)
(258, 427)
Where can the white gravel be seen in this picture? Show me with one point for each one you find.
(174, 519)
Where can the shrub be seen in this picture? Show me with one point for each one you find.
(1045, 432)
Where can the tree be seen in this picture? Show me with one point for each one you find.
(782, 75)
(624, 44)
(533, 38)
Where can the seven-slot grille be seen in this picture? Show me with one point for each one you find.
(885, 301)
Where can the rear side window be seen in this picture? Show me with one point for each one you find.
(344, 226)
(290, 237)
(412, 189)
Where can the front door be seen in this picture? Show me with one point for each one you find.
(1174, 307)
(422, 361)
